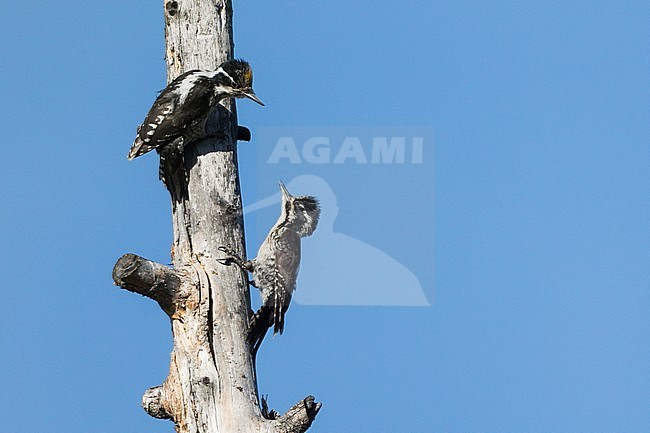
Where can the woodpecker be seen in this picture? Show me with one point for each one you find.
(275, 269)
(182, 108)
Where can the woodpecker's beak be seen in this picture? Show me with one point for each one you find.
(285, 192)
(250, 94)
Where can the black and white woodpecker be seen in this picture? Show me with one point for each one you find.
(275, 269)
(182, 108)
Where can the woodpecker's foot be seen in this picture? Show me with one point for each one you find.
(226, 250)
(233, 257)
(229, 252)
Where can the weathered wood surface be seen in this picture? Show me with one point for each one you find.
(211, 387)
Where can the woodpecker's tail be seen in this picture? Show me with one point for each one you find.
(260, 324)
(262, 321)
(171, 171)
(278, 317)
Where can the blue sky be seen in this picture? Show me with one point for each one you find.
(526, 224)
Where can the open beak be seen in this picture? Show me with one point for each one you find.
(285, 192)
(250, 94)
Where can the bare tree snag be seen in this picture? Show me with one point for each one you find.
(211, 386)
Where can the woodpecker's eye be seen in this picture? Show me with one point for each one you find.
(224, 79)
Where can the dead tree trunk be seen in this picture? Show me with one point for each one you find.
(211, 387)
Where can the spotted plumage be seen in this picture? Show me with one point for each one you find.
(182, 108)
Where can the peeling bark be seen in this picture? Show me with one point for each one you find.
(211, 386)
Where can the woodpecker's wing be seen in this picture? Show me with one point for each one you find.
(186, 100)
(286, 252)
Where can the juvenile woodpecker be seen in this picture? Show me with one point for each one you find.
(182, 108)
(275, 268)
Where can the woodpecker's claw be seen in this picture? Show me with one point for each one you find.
(233, 258)
(227, 250)
(227, 261)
